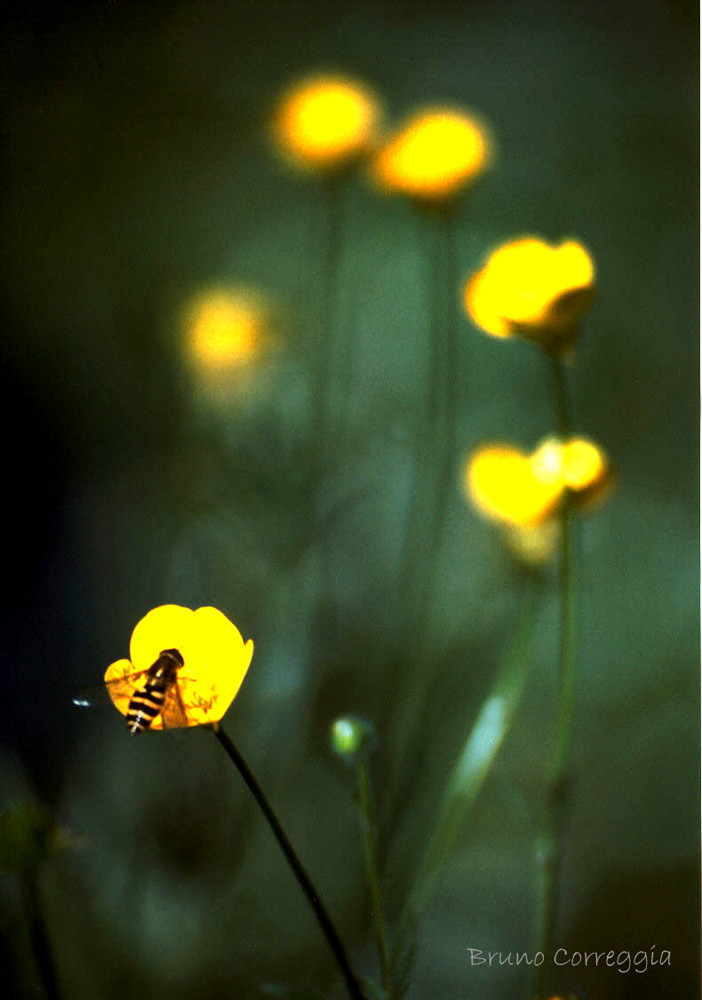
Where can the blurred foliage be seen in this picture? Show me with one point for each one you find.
(141, 172)
(26, 837)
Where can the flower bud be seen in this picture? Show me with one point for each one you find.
(351, 736)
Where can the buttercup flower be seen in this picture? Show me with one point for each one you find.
(530, 289)
(225, 327)
(578, 464)
(214, 657)
(434, 156)
(502, 485)
(522, 493)
(326, 123)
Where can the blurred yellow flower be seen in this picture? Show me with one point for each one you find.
(502, 485)
(326, 123)
(578, 465)
(522, 493)
(531, 289)
(225, 327)
(205, 660)
(434, 156)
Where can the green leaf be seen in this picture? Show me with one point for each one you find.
(474, 761)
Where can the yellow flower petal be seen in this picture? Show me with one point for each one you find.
(121, 694)
(434, 156)
(502, 486)
(225, 327)
(579, 465)
(166, 627)
(216, 663)
(584, 464)
(326, 122)
(480, 304)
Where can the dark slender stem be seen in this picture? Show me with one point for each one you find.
(38, 936)
(559, 789)
(320, 911)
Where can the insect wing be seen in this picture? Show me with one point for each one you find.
(91, 697)
(109, 692)
(120, 688)
(173, 714)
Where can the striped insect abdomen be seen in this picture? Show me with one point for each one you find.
(147, 702)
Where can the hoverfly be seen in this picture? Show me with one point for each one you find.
(147, 694)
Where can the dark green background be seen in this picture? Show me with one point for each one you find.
(136, 168)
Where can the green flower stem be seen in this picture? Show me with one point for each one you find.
(559, 780)
(325, 347)
(320, 911)
(451, 376)
(365, 803)
(560, 397)
(433, 478)
(325, 407)
(414, 590)
(419, 511)
(344, 321)
(437, 463)
(566, 585)
(38, 935)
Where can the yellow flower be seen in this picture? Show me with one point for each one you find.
(225, 327)
(522, 493)
(578, 465)
(214, 663)
(502, 485)
(434, 156)
(326, 123)
(531, 289)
